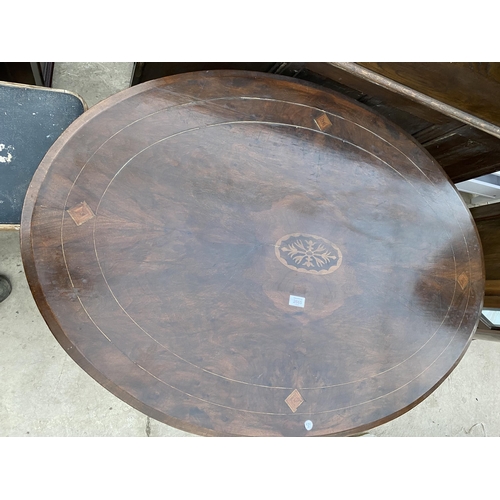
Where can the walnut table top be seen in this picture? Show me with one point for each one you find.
(236, 253)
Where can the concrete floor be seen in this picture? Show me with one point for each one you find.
(44, 393)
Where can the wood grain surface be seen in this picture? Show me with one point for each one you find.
(463, 151)
(234, 253)
(470, 86)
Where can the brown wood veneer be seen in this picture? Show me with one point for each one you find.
(167, 229)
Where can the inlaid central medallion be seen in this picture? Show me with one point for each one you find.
(307, 253)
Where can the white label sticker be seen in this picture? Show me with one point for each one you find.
(297, 301)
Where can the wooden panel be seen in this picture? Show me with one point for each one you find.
(487, 219)
(489, 232)
(491, 211)
(466, 153)
(471, 87)
(371, 90)
(492, 287)
(492, 302)
(463, 151)
(242, 254)
(437, 133)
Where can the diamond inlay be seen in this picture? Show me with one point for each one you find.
(81, 213)
(323, 122)
(463, 281)
(294, 400)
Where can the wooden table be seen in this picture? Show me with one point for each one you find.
(242, 254)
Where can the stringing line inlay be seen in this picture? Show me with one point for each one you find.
(309, 261)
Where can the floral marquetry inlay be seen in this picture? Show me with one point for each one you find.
(307, 253)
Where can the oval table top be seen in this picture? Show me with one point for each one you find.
(236, 253)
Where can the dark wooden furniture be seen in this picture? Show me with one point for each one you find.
(146, 71)
(30, 73)
(463, 149)
(234, 253)
(487, 220)
(32, 118)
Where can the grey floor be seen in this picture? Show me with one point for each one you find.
(44, 393)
